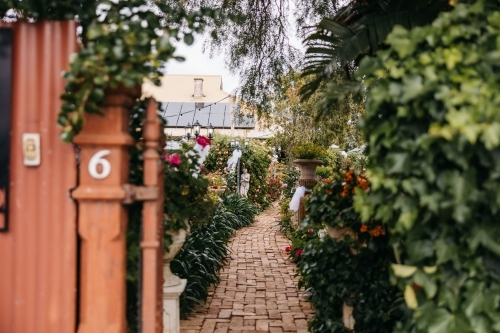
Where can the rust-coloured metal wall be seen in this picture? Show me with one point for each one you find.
(38, 254)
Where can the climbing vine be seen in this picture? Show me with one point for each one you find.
(433, 129)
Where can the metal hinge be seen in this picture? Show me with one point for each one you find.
(140, 193)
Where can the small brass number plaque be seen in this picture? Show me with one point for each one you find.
(31, 149)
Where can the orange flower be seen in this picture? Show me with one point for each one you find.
(345, 191)
(377, 231)
(364, 228)
(348, 176)
(363, 183)
(328, 192)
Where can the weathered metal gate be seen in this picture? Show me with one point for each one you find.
(38, 244)
(62, 231)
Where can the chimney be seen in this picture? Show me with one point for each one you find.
(198, 88)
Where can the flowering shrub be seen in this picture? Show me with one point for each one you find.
(256, 158)
(274, 188)
(300, 238)
(186, 195)
(357, 264)
(215, 180)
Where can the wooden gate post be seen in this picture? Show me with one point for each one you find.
(102, 218)
(152, 226)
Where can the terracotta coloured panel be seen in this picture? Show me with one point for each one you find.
(38, 253)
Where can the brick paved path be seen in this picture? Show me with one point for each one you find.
(258, 291)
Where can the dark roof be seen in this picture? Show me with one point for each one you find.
(180, 114)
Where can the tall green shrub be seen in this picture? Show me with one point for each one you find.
(433, 127)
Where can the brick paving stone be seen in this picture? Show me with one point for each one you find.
(258, 289)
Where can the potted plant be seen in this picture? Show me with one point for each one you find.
(308, 158)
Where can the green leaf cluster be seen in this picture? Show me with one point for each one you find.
(432, 125)
(122, 44)
(334, 276)
(309, 150)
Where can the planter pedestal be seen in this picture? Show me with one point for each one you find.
(308, 171)
(171, 316)
(179, 237)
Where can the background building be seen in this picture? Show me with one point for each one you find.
(186, 99)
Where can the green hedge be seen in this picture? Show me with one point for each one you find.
(206, 250)
(433, 127)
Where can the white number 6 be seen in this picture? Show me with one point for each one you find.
(95, 161)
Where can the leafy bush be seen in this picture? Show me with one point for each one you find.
(352, 270)
(309, 151)
(433, 129)
(205, 252)
(324, 171)
(285, 221)
(291, 176)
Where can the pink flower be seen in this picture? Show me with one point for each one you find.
(203, 141)
(288, 249)
(298, 253)
(174, 159)
(310, 230)
(284, 185)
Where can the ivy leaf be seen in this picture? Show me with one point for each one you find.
(410, 297)
(403, 271)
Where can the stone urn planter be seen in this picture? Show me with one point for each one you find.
(308, 171)
(178, 237)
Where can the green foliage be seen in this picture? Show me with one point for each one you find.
(334, 276)
(205, 252)
(285, 221)
(295, 121)
(256, 158)
(186, 196)
(351, 270)
(324, 171)
(123, 43)
(432, 124)
(300, 238)
(355, 30)
(309, 151)
(291, 176)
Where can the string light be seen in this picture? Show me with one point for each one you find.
(196, 109)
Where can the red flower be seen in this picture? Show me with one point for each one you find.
(288, 249)
(298, 253)
(174, 159)
(215, 186)
(203, 141)
(310, 230)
